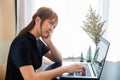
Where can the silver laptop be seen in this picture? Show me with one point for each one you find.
(93, 69)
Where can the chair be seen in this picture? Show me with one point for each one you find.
(2, 71)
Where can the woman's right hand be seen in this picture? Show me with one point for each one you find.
(75, 68)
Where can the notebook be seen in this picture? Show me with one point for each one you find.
(93, 69)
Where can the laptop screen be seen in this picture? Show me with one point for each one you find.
(100, 55)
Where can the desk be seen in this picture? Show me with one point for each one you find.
(111, 70)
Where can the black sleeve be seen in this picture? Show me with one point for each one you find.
(20, 52)
(44, 48)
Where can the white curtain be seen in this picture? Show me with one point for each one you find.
(114, 30)
(25, 9)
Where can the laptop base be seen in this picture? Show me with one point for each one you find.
(61, 78)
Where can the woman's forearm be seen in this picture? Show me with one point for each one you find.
(56, 55)
(49, 75)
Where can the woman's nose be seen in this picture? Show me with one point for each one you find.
(51, 28)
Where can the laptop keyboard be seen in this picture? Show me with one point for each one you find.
(87, 71)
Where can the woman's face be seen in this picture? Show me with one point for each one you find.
(47, 28)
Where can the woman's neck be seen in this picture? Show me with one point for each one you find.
(35, 32)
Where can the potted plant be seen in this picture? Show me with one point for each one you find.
(93, 25)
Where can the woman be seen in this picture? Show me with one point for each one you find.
(27, 50)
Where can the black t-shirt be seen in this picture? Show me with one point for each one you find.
(24, 50)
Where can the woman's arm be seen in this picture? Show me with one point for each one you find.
(28, 72)
(53, 54)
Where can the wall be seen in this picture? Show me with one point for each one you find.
(7, 27)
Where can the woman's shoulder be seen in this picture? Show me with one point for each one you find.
(20, 39)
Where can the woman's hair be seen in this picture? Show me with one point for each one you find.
(44, 13)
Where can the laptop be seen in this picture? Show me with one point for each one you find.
(93, 69)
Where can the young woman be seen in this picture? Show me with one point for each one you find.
(27, 50)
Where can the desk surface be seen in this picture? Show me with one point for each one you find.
(111, 70)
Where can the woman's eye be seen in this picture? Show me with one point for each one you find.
(54, 27)
(52, 23)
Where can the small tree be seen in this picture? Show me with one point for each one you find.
(81, 57)
(89, 54)
(93, 25)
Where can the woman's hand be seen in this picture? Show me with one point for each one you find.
(47, 39)
(75, 68)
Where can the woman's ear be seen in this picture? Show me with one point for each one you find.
(37, 20)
